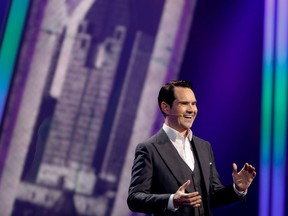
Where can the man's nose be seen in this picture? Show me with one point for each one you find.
(193, 108)
(190, 109)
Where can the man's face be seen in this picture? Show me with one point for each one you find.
(183, 111)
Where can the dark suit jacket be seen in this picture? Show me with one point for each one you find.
(158, 171)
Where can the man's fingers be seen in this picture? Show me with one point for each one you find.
(184, 186)
(191, 195)
(234, 167)
(186, 199)
(246, 166)
(194, 201)
(191, 199)
(251, 170)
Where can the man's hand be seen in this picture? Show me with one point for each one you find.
(244, 178)
(182, 199)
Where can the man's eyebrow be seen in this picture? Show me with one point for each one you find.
(185, 101)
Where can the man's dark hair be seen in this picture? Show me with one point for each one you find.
(166, 93)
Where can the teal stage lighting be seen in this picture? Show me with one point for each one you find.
(274, 110)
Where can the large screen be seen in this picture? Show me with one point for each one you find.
(83, 76)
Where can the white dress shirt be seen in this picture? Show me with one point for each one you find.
(182, 144)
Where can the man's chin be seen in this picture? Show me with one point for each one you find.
(188, 125)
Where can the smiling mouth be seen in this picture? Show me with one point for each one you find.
(188, 116)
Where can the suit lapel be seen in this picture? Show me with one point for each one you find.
(204, 162)
(168, 153)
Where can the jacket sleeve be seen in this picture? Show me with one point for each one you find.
(220, 195)
(140, 198)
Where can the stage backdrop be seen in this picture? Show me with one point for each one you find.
(83, 94)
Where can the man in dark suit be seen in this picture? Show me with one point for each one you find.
(174, 171)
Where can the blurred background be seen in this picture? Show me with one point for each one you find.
(79, 81)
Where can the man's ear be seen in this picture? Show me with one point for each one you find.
(165, 107)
